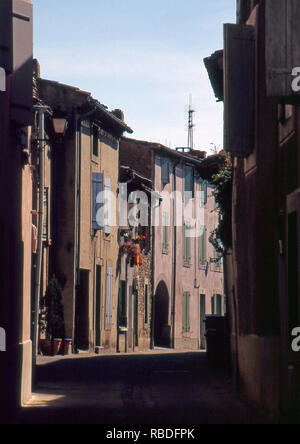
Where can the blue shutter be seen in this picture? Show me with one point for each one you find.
(97, 217)
(108, 314)
(108, 205)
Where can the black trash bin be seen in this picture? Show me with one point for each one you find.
(215, 340)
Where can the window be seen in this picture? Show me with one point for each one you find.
(95, 141)
(97, 216)
(108, 311)
(218, 305)
(108, 205)
(189, 180)
(186, 312)
(218, 260)
(165, 231)
(202, 247)
(165, 170)
(203, 193)
(187, 244)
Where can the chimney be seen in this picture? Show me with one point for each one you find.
(36, 68)
(119, 114)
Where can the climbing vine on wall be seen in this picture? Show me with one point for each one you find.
(221, 237)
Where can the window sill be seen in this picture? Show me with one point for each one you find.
(165, 252)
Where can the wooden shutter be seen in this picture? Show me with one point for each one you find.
(239, 58)
(203, 193)
(282, 45)
(16, 56)
(165, 170)
(165, 231)
(186, 312)
(108, 314)
(22, 63)
(202, 246)
(97, 216)
(189, 179)
(108, 205)
(187, 243)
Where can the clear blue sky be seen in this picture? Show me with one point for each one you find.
(145, 57)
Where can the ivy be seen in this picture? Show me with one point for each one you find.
(221, 237)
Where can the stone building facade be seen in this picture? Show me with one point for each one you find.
(84, 252)
(187, 283)
(16, 117)
(261, 133)
(136, 264)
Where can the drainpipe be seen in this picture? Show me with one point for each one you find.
(41, 144)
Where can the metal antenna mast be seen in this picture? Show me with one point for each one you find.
(191, 125)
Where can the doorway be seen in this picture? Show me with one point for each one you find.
(162, 330)
(98, 307)
(82, 312)
(202, 321)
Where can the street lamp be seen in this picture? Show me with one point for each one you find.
(60, 126)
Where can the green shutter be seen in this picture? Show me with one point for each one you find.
(186, 312)
(165, 170)
(187, 254)
(202, 246)
(165, 231)
(189, 179)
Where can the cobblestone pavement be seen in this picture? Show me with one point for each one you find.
(154, 388)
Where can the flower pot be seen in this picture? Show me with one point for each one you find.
(66, 347)
(56, 346)
(46, 347)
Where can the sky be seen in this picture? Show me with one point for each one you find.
(145, 57)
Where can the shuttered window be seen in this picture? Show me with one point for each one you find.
(108, 311)
(108, 206)
(187, 244)
(282, 45)
(218, 305)
(165, 231)
(97, 206)
(186, 312)
(203, 193)
(202, 246)
(189, 180)
(16, 56)
(165, 170)
(239, 59)
(95, 141)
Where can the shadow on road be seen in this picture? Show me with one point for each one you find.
(159, 388)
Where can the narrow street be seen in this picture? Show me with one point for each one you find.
(161, 387)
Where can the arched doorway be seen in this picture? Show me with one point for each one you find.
(162, 329)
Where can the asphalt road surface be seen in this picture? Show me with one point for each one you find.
(161, 387)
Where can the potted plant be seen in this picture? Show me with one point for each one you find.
(52, 318)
